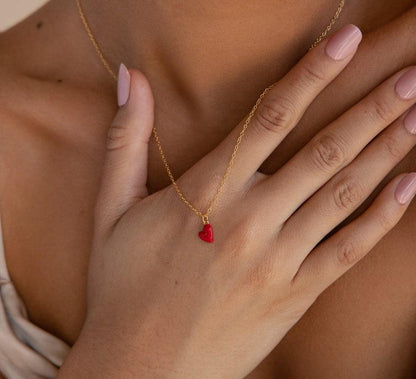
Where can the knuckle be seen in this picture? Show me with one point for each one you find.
(326, 153)
(117, 137)
(289, 304)
(391, 145)
(382, 110)
(263, 273)
(239, 238)
(276, 115)
(347, 194)
(207, 186)
(347, 252)
(311, 74)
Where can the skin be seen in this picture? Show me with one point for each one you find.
(46, 136)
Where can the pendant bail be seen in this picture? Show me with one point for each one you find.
(205, 219)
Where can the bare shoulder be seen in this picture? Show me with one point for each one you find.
(42, 111)
(52, 128)
(42, 100)
(18, 120)
(10, 117)
(44, 116)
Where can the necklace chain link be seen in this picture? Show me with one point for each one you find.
(203, 215)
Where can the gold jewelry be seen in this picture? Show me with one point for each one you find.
(207, 233)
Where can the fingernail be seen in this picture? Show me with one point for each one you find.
(406, 86)
(344, 42)
(406, 189)
(123, 85)
(410, 121)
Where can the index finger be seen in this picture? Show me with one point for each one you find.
(285, 102)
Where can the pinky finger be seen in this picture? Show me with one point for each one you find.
(336, 255)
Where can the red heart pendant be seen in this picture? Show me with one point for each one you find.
(207, 234)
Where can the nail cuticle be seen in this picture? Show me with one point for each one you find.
(406, 85)
(406, 189)
(410, 121)
(344, 42)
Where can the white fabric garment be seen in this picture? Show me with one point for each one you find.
(26, 351)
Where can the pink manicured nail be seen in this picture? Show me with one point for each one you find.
(123, 85)
(410, 121)
(406, 86)
(344, 42)
(406, 189)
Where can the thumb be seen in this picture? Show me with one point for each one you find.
(124, 174)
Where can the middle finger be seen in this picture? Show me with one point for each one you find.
(336, 146)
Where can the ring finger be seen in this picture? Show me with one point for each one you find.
(346, 191)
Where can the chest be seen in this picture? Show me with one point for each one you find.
(49, 198)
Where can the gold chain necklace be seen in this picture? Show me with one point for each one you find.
(207, 233)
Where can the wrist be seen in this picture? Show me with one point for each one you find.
(105, 349)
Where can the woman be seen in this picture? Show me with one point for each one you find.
(161, 302)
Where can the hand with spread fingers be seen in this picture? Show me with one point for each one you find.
(173, 294)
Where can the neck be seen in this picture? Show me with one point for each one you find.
(197, 47)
